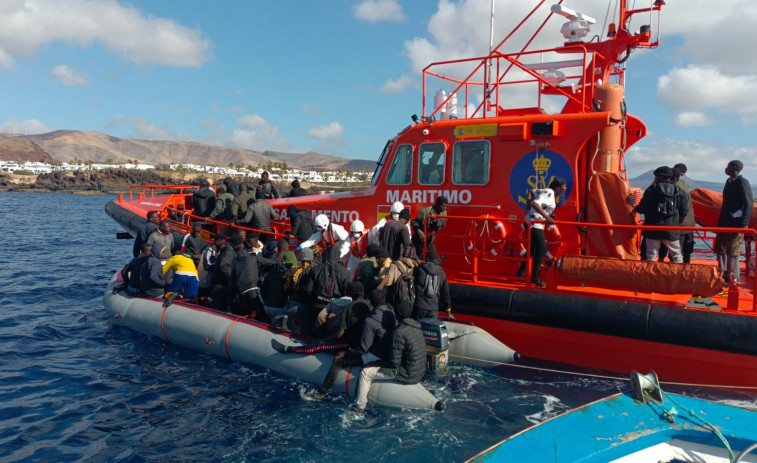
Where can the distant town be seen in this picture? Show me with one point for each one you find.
(278, 171)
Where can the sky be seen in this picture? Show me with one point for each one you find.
(342, 77)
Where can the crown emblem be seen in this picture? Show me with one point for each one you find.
(541, 164)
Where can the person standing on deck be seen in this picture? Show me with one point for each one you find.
(267, 187)
(663, 204)
(193, 244)
(735, 212)
(540, 207)
(433, 226)
(686, 238)
(163, 236)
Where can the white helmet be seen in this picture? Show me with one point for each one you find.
(357, 227)
(397, 207)
(322, 221)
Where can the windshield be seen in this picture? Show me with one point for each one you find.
(380, 162)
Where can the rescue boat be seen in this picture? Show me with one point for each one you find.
(242, 339)
(602, 308)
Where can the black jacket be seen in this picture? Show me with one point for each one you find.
(395, 237)
(737, 196)
(142, 236)
(274, 294)
(407, 360)
(653, 206)
(232, 186)
(269, 189)
(245, 273)
(377, 332)
(151, 281)
(302, 223)
(431, 291)
(204, 200)
(298, 192)
(331, 268)
(224, 265)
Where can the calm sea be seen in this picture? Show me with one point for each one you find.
(75, 388)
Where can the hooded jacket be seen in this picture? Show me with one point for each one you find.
(204, 199)
(241, 202)
(655, 195)
(429, 300)
(331, 268)
(302, 223)
(407, 360)
(232, 186)
(151, 281)
(142, 236)
(224, 264)
(258, 215)
(377, 329)
(269, 189)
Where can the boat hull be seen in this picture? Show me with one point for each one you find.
(682, 345)
(618, 429)
(244, 340)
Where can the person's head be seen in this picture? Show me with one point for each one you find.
(220, 190)
(292, 210)
(404, 216)
(381, 255)
(357, 228)
(355, 290)
(253, 240)
(681, 168)
(164, 227)
(180, 208)
(282, 245)
(264, 176)
(440, 205)
(378, 297)
(306, 255)
(157, 250)
(196, 229)
(236, 239)
(321, 222)
(371, 250)
(295, 183)
(146, 248)
(176, 252)
(676, 174)
(228, 180)
(243, 233)
(204, 183)
(434, 258)
(558, 185)
(734, 168)
(663, 174)
(153, 216)
(270, 249)
(395, 210)
(219, 241)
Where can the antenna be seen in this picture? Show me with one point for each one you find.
(578, 23)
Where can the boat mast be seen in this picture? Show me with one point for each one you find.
(489, 87)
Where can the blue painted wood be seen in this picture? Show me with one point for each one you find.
(617, 426)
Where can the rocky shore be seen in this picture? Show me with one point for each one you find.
(110, 181)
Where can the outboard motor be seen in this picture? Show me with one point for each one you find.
(437, 343)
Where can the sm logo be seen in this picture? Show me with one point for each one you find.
(536, 170)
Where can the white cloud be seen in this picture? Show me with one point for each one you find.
(330, 134)
(6, 60)
(697, 89)
(396, 86)
(124, 30)
(146, 130)
(255, 133)
(693, 119)
(27, 127)
(326, 132)
(70, 76)
(704, 160)
(374, 11)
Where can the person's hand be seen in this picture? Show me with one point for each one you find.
(631, 200)
(387, 263)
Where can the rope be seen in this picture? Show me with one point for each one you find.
(669, 414)
(592, 375)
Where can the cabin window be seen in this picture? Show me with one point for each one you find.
(380, 162)
(470, 162)
(431, 163)
(401, 171)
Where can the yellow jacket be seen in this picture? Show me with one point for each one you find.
(181, 265)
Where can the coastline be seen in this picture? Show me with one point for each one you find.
(115, 181)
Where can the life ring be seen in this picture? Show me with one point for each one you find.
(485, 237)
(554, 241)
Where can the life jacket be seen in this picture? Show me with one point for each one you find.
(327, 238)
(357, 248)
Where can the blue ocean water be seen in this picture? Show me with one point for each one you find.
(73, 387)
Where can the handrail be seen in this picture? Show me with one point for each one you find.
(574, 231)
(152, 189)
